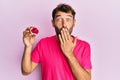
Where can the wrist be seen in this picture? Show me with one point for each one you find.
(70, 56)
(28, 47)
(71, 59)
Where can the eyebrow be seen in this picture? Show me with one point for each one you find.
(60, 15)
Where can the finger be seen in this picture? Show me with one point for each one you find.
(62, 35)
(67, 34)
(27, 29)
(60, 38)
(31, 27)
(33, 36)
(26, 34)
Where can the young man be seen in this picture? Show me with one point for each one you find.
(62, 56)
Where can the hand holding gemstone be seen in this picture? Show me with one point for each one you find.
(34, 30)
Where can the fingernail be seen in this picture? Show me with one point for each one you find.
(65, 29)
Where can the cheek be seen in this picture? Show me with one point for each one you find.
(70, 25)
(58, 24)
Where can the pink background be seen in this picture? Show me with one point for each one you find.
(98, 22)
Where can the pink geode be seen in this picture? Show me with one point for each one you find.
(34, 30)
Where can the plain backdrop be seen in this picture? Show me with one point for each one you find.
(97, 22)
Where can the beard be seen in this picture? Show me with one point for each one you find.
(58, 31)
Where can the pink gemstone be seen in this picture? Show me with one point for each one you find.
(34, 30)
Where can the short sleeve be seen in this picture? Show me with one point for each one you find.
(35, 56)
(86, 58)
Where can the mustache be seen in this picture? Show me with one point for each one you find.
(58, 31)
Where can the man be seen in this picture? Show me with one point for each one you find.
(62, 56)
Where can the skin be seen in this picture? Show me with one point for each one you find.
(64, 22)
(27, 66)
(67, 44)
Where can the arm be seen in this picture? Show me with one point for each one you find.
(27, 66)
(67, 46)
(77, 70)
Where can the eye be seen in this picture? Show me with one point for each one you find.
(68, 19)
(58, 19)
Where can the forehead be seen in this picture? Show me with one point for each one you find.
(63, 14)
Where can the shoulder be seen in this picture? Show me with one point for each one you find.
(83, 43)
(83, 46)
(46, 39)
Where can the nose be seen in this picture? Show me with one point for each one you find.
(64, 23)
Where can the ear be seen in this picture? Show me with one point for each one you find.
(74, 22)
(53, 23)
